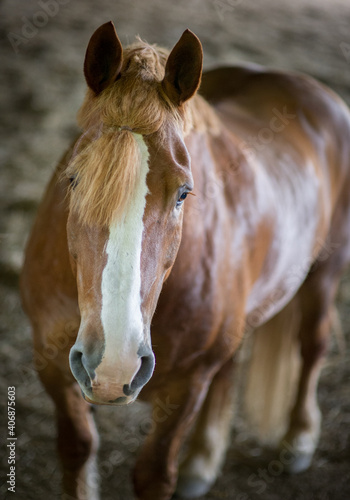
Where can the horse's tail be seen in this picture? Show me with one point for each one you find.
(271, 377)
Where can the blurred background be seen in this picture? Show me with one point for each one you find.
(42, 50)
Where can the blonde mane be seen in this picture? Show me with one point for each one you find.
(105, 161)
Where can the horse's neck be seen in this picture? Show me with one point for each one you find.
(224, 177)
(222, 214)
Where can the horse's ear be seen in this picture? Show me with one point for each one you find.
(103, 58)
(183, 69)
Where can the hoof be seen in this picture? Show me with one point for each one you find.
(300, 463)
(297, 453)
(191, 487)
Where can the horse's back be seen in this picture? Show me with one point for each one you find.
(279, 115)
(257, 89)
(251, 99)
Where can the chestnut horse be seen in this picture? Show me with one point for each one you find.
(267, 156)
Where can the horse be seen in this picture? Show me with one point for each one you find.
(192, 209)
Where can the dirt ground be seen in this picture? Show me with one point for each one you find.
(41, 53)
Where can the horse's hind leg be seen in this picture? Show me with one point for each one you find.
(210, 438)
(316, 298)
(77, 438)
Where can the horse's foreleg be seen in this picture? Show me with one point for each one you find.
(77, 438)
(174, 410)
(210, 438)
(77, 446)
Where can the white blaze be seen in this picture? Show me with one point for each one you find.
(121, 279)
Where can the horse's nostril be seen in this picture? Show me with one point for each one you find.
(142, 376)
(79, 370)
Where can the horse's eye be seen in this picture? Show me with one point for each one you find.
(181, 198)
(73, 181)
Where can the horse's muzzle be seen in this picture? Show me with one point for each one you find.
(101, 386)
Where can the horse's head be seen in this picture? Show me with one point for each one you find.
(130, 173)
